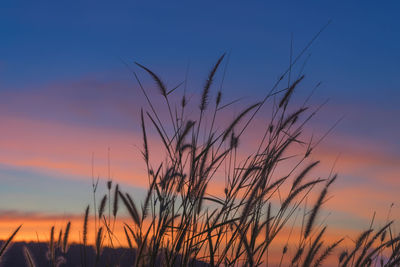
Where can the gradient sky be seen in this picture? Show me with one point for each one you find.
(65, 92)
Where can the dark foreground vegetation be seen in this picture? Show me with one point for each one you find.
(181, 221)
(122, 257)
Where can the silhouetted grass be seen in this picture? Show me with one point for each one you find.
(180, 222)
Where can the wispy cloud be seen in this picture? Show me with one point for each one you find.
(57, 128)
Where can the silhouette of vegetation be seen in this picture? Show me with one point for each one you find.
(182, 223)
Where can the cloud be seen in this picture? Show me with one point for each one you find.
(54, 147)
(85, 101)
(56, 128)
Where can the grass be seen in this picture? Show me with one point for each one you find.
(180, 222)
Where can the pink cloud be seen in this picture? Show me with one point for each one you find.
(95, 116)
(54, 147)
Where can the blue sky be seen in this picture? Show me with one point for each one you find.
(356, 57)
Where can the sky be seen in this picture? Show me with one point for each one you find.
(66, 92)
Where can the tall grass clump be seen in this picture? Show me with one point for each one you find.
(185, 219)
(182, 222)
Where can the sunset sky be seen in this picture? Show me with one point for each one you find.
(66, 93)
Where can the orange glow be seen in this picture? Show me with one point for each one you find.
(36, 228)
(65, 149)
